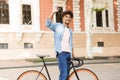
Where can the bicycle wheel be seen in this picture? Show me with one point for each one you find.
(32, 75)
(83, 74)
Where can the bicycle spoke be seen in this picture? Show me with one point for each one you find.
(31, 75)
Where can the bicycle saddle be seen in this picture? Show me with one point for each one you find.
(42, 56)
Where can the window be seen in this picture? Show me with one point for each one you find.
(28, 45)
(59, 15)
(107, 18)
(26, 14)
(100, 44)
(3, 45)
(4, 13)
(99, 18)
(102, 19)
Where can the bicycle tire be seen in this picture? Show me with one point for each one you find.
(31, 75)
(83, 74)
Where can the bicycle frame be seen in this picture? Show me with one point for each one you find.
(80, 62)
(44, 66)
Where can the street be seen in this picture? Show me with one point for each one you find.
(105, 71)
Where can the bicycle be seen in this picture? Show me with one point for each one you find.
(77, 74)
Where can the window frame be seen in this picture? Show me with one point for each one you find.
(4, 12)
(107, 18)
(100, 44)
(28, 45)
(3, 45)
(26, 12)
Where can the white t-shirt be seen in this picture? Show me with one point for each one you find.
(65, 44)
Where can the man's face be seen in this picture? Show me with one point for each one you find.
(67, 19)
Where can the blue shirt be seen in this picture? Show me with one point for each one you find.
(58, 30)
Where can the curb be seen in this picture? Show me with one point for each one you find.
(30, 64)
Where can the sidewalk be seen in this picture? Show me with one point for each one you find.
(11, 64)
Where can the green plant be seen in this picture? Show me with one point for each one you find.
(98, 9)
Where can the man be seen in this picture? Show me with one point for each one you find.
(62, 41)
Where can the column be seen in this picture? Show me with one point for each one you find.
(88, 25)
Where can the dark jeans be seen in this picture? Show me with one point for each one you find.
(63, 59)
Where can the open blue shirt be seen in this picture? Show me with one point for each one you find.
(58, 30)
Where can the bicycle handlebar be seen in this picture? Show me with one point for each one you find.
(80, 62)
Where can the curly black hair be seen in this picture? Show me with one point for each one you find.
(67, 12)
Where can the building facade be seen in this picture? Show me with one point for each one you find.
(23, 34)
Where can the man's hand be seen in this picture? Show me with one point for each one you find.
(55, 9)
(73, 55)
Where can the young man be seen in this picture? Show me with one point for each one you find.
(62, 42)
